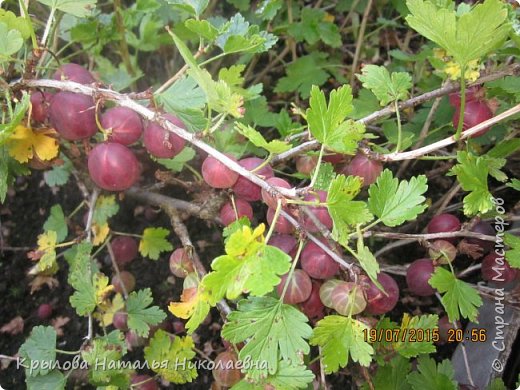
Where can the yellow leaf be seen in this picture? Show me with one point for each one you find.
(47, 240)
(45, 147)
(103, 290)
(241, 243)
(117, 304)
(328, 18)
(186, 307)
(24, 143)
(100, 233)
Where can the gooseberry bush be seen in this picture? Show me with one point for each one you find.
(344, 162)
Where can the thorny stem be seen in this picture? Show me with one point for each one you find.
(126, 101)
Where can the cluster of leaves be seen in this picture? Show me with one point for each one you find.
(247, 274)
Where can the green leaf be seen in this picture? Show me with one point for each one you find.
(57, 222)
(459, 299)
(154, 242)
(387, 87)
(394, 201)
(313, 27)
(219, 95)
(16, 22)
(412, 348)
(4, 174)
(288, 376)
(392, 376)
(341, 337)
(85, 298)
(467, 37)
(106, 207)
(78, 257)
(515, 184)
(171, 358)
(504, 149)
(494, 166)
(257, 272)
(202, 28)
(106, 352)
(232, 75)
(368, 262)
(327, 122)
(241, 5)
(344, 211)
(239, 36)
(183, 95)
(496, 384)
(54, 380)
(258, 113)
(59, 174)
(10, 42)
(140, 316)
(235, 226)
(268, 9)
(177, 163)
(513, 254)
(325, 177)
(432, 376)
(39, 347)
(273, 329)
(193, 7)
(303, 73)
(79, 8)
(472, 175)
(274, 147)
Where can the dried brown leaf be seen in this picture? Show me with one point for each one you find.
(13, 327)
(41, 280)
(58, 323)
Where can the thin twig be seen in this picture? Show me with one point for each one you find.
(389, 110)
(469, 270)
(116, 267)
(361, 36)
(338, 259)
(441, 204)
(90, 215)
(422, 135)
(430, 236)
(463, 346)
(88, 231)
(182, 232)
(207, 211)
(271, 64)
(180, 73)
